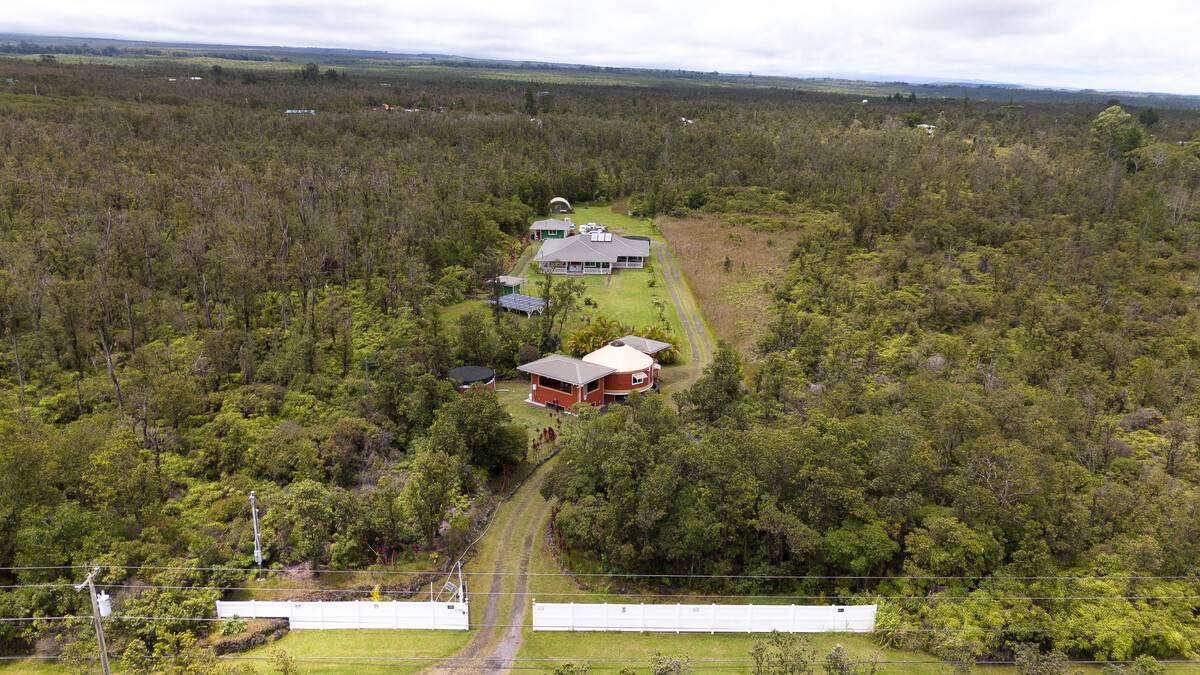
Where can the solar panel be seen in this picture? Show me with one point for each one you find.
(522, 303)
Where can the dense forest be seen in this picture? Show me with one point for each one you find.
(982, 371)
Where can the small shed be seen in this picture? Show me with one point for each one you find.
(550, 228)
(465, 377)
(560, 205)
(509, 285)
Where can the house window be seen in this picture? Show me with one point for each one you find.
(556, 385)
(593, 386)
(592, 264)
(638, 378)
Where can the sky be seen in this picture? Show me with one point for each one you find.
(1152, 45)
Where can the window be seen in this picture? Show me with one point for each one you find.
(593, 386)
(556, 385)
(638, 378)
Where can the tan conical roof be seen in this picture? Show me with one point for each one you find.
(620, 357)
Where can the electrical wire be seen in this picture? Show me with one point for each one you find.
(601, 595)
(634, 575)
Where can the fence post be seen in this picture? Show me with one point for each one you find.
(395, 614)
(571, 616)
(678, 615)
(793, 622)
(606, 616)
(750, 618)
(432, 613)
(713, 623)
(642, 616)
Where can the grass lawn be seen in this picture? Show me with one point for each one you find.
(512, 395)
(451, 313)
(32, 666)
(325, 646)
(610, 652)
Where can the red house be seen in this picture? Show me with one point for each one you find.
(561, 381)
(606, 375)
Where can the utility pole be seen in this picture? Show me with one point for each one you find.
(100, 609)
(462, 590)
(257, 538)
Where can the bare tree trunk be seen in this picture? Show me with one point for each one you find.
(112, 372)
(19, 369)
(129, 322)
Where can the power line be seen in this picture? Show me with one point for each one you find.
(602, 595)
(635, 575)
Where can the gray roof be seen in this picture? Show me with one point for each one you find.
(551, 224)
(567, 369)
(505, 280)
(645, 345)
(583, 249)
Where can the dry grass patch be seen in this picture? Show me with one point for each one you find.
(736, 301)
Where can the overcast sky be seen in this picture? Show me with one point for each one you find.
(1152, 45)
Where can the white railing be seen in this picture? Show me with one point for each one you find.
(704, 618)
(353, 614)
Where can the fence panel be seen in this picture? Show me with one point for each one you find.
(703, 618)
(353, 614)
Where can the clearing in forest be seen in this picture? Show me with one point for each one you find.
(734, 297)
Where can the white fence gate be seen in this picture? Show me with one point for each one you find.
(704, 618)
(353, 614)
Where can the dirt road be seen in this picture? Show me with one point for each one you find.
(504, 592)
(685, 307)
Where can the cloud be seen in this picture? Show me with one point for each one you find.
(1103, 44)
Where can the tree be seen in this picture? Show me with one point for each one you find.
(310, 71)
(594, 334)
(661, 664)
(1033, 661)
(783, 654)
(1148, 117)
(839, 662)
(304, 517)
(561, 298)
(476, 425)
(718, 391)
(431, 489)
(531, 104)
(1115, 132)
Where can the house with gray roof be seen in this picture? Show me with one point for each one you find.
(595, 253)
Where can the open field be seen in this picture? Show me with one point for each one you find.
(733, 302)
(191, 59)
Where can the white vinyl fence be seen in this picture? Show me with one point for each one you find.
(353, 614)
(704, 618)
